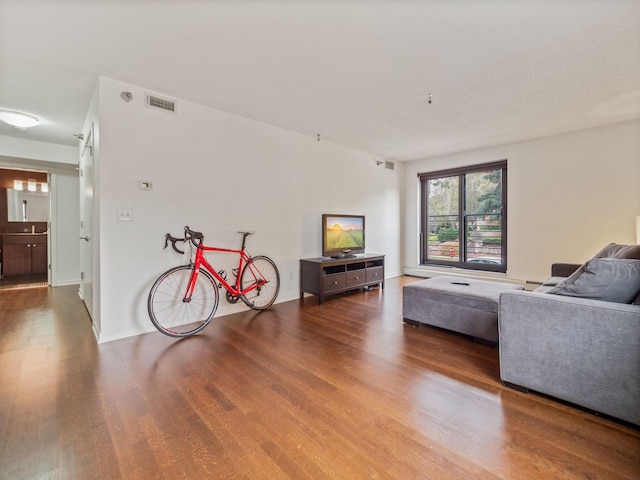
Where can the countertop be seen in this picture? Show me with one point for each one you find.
(23, 233)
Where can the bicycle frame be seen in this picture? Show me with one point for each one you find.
(200, 261)
(180, 303)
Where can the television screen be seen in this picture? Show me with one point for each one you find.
(342, 235)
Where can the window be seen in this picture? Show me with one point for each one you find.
(464, 217)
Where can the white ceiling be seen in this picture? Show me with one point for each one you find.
(356, 72)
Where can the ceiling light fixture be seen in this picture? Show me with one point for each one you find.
(18, 119)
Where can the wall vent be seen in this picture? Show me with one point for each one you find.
(389, 165)
(153, 101)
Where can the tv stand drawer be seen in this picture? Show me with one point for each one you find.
(334, 282)
(375, 274)
(357, 277)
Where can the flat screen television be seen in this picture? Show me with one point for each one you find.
(342, 235)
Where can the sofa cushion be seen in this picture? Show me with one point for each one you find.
(608, 279)
(614, 250)
(563, 269)
(553, 281)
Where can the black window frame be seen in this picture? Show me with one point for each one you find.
(462, 216)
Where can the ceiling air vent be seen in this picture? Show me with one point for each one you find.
(160, 103)
(389, 165)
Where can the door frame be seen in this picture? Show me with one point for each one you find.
(87, 254)
(51, 237)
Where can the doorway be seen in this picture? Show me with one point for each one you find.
(24, 228)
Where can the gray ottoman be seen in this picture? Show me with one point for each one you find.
(458, 304)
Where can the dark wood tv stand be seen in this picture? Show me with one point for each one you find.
(323, 275)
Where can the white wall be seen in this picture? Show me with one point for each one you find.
(568, 196)
(42, 151)
(220, 173)
(65, 258)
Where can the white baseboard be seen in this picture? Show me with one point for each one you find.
(65, 283)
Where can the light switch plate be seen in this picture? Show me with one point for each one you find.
(125, 214)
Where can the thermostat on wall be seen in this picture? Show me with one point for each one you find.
(145, 185)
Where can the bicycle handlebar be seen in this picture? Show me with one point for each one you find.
(193, 235)
(168, 238)
(189, 234)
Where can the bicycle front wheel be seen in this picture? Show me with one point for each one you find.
(259, 270)
(174, 315)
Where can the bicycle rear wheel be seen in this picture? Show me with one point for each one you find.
(170, 313)
(260, 268)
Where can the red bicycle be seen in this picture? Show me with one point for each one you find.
(184, 299)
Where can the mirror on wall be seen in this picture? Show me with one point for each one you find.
(26, 206)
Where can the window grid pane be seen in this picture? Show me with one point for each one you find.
(443, 219)
(483, 204)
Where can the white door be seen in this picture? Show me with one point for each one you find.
(86, 221)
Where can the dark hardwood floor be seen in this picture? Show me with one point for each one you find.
(342, 390)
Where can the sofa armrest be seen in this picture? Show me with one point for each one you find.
(563, 269)
(583, 351)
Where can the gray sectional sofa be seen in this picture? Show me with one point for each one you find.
(577, 338)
